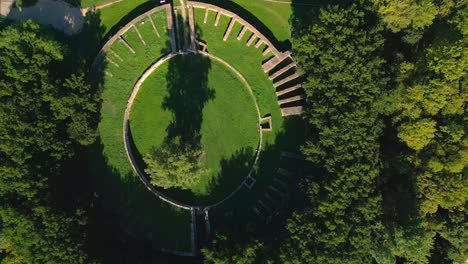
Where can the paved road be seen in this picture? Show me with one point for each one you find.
(58, 14)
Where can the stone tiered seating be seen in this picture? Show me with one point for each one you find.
(154, 26)
(259, 43)
(111, 61)
(218, 17)
(170, 27)
(251, 40)
(292, 99)
(115, 54)
(293, 110)
(228, 31)
(282, 70)
(206, 15)
(259, 39)
(273, 62)
(287, 79)
(192, 28)
(242, 32)
(139, 34)
(123, 41)
(289, 90)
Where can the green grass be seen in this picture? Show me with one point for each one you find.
(287, 134)
(122, 11)
(275, 16)
(228, 129)
(141, 213)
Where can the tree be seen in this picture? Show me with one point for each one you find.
(46, 115)
(175, 165)
(222, 251)
(340, 52)
(41, 236)
(417, 135)
(407, 14)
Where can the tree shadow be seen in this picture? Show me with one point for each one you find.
(253, 20)
(124, 216)
(233, 170)
(236, 212)
(130, 16)
(187, 84)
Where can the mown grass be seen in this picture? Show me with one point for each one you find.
(227, 116)
(122, 12)
(287, 134)
(141, 213)
(275, 16)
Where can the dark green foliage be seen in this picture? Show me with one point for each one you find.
(224, 250)
(45, 114)
(175, 165)
(341, 55)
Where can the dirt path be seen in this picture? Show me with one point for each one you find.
(85, 10)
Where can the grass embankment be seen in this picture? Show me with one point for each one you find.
(141, 213)
(287, 134)
(275, 16)
(197, 96)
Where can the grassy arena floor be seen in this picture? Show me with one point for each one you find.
(194, 95)
(141, 213)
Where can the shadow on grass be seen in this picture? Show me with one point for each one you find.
(187, 84)
(235, 216)
(131, 15)
(127, 222)
(253, 20)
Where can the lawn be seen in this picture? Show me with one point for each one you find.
(141, 213)
(123, 12)
(189, 96)
(287, 134)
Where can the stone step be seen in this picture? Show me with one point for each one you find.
(218, 17)
(280, 182)
(154, 26)
(259, 43)
(251, 40)
(282, 194)
(288, 90)
(139, 35)
(206, 15)
(113, 62)
(228, 31)
(293, 110)
(126, 44)
(284, 172)
(282, 70)
(274, 61)
(286, 80)
(170, 27)
(241, 34)
(192, 28)
(292, 99)
(267, 207)
(115, 54)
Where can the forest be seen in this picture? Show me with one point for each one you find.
(386, 103)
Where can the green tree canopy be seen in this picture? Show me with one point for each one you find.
(175, 165)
